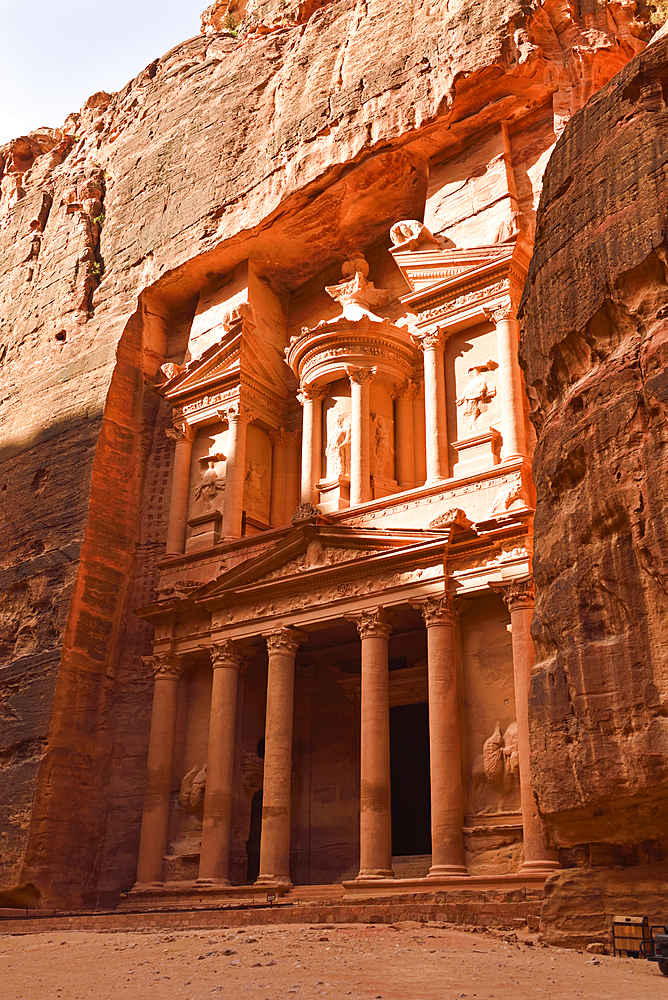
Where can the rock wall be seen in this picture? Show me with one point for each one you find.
(595, 353)
(291, 147)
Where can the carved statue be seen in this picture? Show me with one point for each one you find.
(338, 447)
(382, 453)
(413, 232)
(210, 484)
(478, 391)
(191, 794)
(253, 488)
(496, 773)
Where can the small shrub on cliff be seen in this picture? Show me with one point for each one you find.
(231, 24)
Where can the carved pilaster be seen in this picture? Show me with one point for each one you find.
(371, 624)
(164, 665)
(437, 610)
(284, 640)
(517, 594)
(225, 654)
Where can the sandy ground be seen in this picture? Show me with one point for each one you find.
(371, 962)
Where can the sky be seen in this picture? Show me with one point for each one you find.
(56, 53)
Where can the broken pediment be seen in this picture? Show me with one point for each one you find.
(431, 267)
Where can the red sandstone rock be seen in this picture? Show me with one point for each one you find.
(594, 351)
(293, 150)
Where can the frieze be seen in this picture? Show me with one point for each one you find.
(388, 511)
(463, 299)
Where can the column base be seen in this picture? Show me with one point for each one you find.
(374, 873)
(274, 881)
(223, 883)
(448, 871)
(539, 867)
(147, 886)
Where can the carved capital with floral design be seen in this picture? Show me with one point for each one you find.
(360, 375)
(404, 390)
(437, 610)
(165, 666)
(371, 624)
(518, 595)
(284, 640)
(225, 654)
(236, 411)
(311, 392)
(504, 310)
(430, 340)
(180, 431)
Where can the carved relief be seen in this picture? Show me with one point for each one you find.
(382, 446)
(337, 448)
(193, 788)
(478, 391)
(506, 497)
(450, 518)
(211, 484)
(495, 775)
(412, 232)
(255, 493)
(306, 513)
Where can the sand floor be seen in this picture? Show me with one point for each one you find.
(405, 961)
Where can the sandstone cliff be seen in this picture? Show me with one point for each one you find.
(594, 351)
(303, 140)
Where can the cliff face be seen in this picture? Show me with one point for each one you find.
(595, 352)
(301, 142)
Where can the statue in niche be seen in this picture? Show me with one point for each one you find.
(253, 489)
(193, 787)
(495, 775)
(337, 448)
(210, 484)
(478, 391)
(382, 454)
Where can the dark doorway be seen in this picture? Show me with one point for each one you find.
(253, 842)
(411, 794)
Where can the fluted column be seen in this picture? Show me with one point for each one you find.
(183, 434)
(155, 819)
(214, 862)
(519, 598)
(447, 795)
(360, 450)
(404, 446)
(375, 806)
(282, 646)
(237, 417)
(436, 417)
(311, 397)
(511, 392)
(278, 478)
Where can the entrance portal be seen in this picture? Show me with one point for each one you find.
(410, 789)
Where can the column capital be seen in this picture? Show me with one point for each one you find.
(180, 431)
(404, 390)
(437, 610)
(225, 654)
(371, 624)
(312, 393)
(283, 640)
(517, 594)
(430, 340)
(164, 665)
(503, 310)
(360, 375)
(236, 411)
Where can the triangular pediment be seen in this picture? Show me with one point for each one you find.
(240, 355)
(309, 551)
(432, 268)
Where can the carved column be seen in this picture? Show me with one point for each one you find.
(237, 417)
(404, 446)
(419, 437)
(293, 485)
(447, 795)
(436, 417)
(510, 381)
(282, 646)
(375, 812)
(183, 434)
(155, 819)
(519, 599)
(278, 478)
(311, 397)
(360, 456)
(214, 862)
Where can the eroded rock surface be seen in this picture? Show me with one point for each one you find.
(595, 352)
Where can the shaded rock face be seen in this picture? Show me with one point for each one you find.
(595, 353)
(290, 149)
